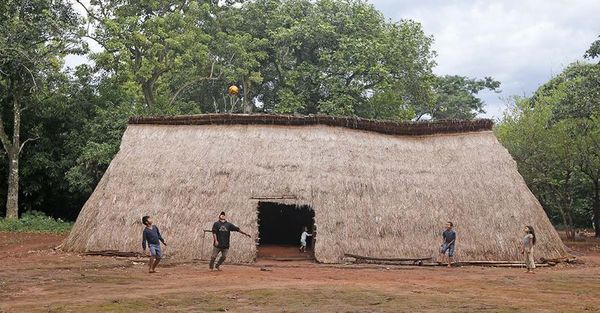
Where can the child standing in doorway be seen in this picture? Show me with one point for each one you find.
(303, 238)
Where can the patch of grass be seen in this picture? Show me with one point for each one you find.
(348, 299)
(35, 222)
(200, 302)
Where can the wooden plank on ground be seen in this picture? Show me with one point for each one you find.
(386, 259)
(114, 253)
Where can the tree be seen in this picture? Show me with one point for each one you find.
(594, 50)
(545, 155)
(554, 136)
(34, 37)
(237, 57)
(455, 97)
(581, 84)
(589, 162)
(144, 41)
(338, 57)
(331, 57)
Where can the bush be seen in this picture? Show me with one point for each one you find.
(36, 222)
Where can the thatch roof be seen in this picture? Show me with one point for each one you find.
(373, 194)
(379, 126)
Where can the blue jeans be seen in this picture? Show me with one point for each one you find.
(155, 250)
(447, 247)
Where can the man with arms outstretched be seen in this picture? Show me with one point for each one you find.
(221, 232)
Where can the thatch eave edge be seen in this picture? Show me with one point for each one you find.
(380, 126)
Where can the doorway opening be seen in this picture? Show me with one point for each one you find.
(279, 229)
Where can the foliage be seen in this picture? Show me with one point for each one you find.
(145, 40)
(161, 57)
(331, 56)
(456, 97)
(555, 138)
(594, 50)
(34, 37)
(580, 84)
(35, 222)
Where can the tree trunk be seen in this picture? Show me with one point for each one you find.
(570, 227)
(597, 206)
(148, 94)
(569, 206)
(13, 150)
(563, 216)
(247, 103)
(12, 199)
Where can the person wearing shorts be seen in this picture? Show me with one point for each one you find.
(151, 235)
(448, 243)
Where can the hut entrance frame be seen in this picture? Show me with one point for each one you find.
(280, 226)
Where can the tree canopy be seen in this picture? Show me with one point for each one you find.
(157, 57)
(555, 138)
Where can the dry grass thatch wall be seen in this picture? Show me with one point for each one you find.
(373, 194)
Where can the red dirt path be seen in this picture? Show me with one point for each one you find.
(34, 278)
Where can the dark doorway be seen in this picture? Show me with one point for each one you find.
(280, 227)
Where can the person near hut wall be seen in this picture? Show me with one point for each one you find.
(303, 238)
(527, 248)
(221, 234)
(448, 242)
(151, 234)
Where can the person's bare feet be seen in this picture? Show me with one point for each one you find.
(218, 269)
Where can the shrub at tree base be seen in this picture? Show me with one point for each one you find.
(35, 222)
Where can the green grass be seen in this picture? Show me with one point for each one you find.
(35, 222)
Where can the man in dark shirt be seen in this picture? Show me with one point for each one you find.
(151, 234)
(221, 232)
(449, 239)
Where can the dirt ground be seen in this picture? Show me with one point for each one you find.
(34, 278)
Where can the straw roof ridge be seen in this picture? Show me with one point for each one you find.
(379, 126)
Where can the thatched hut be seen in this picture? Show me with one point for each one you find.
(380, 189)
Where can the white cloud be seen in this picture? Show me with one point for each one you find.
(520, 43)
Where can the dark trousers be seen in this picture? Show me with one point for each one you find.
(213, 257)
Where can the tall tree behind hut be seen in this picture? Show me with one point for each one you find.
(158, 49)
(331, 57)
(555, 138)
(34, 37)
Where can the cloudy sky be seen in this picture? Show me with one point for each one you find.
(520, 43)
